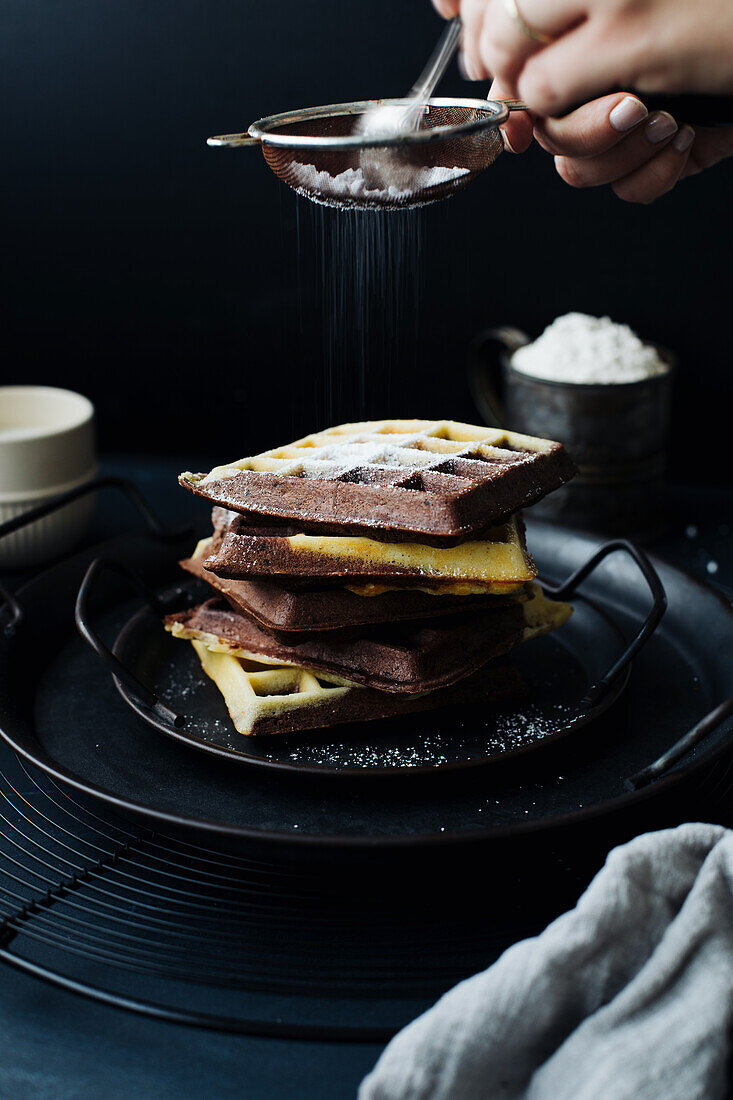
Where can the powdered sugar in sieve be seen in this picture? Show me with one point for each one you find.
(353, 186)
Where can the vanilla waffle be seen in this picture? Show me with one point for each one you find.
(263, 698)
(435, 482)
(401, 657)
(495, 564)
(293, 614)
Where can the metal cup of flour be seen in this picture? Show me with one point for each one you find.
(616, 431)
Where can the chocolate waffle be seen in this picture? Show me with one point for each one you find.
(292, 615)
(495, 564)
(402, 657)
(436, 482)
(272, 699)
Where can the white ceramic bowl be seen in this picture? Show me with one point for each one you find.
(46, 447)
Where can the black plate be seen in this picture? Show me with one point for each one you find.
(557, 670)
(59, 708)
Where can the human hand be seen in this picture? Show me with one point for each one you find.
(652, 45)
(614, 140)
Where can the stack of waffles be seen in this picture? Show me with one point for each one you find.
(370, 570)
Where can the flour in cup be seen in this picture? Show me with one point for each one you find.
(589, 350)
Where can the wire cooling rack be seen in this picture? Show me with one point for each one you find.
(151, 922)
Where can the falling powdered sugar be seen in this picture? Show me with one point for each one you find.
(353, 185)
(589, 350)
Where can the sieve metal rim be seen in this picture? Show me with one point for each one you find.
(494, 111)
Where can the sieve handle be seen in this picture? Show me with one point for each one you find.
(698, 110)
(232, 141)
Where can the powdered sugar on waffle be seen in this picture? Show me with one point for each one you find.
(402, 454)
(380, 446)
(367, 456)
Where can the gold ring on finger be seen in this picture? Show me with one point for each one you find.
(522, 25)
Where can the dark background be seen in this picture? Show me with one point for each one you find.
(162, 278)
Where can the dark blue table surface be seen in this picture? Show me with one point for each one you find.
(55, 1046)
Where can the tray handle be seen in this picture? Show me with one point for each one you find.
(109, 481)
(8, 600)
(157, 605)
(692, 738)
(650, 624)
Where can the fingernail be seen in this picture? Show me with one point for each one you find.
(628, 113)
(507, 143)
(660, 126)
(684, 139)
(462, 66)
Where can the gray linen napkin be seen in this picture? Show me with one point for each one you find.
(629, 996)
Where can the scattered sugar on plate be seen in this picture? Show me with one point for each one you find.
(589, 350)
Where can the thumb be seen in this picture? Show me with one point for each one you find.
(518, 129)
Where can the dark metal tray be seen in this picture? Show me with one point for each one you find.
(566, 680)
(556, 671)
(60, 710)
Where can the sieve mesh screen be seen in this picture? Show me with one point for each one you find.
(389, 176)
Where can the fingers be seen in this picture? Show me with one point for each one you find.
(575, 69)
(549, 17)
(614, 141)
(593, 128)
(447, 8)
(623, 158)
(496, 38)
(473, 13)
(711, 145)
(518, 130)
(660, 174)
(502, 47)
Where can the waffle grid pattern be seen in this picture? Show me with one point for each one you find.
(439, 456)
(256, 691)
(431, 481)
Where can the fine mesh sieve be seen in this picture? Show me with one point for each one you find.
(321, 153)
